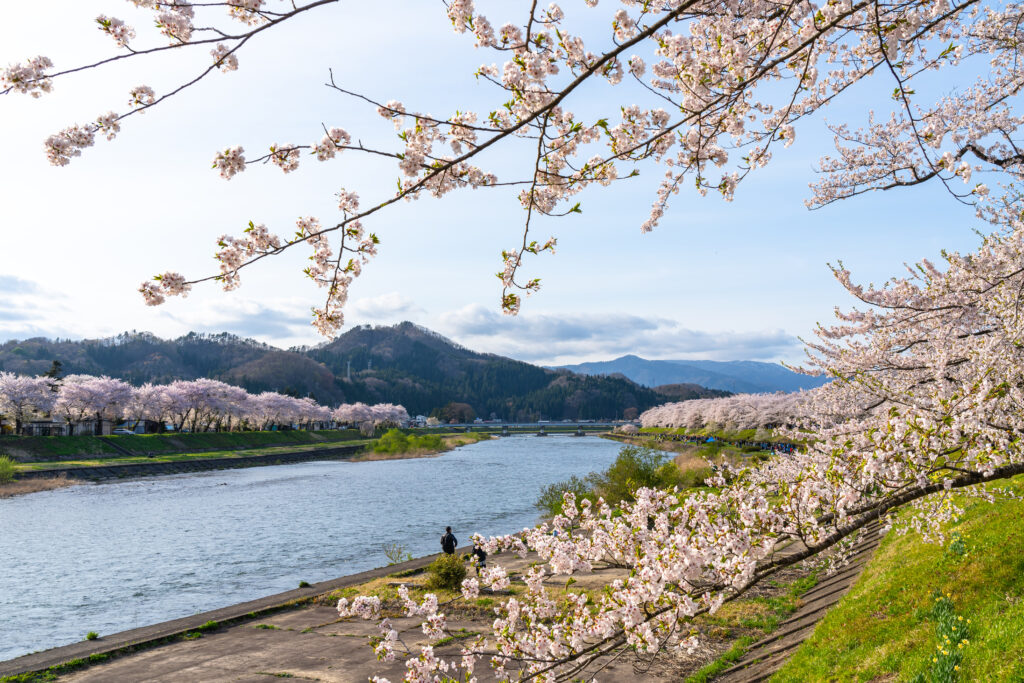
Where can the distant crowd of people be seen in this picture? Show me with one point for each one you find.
(762, 445)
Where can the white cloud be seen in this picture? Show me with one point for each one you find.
(391, 306)
(26, 309)
(556, 339)
(279, 321)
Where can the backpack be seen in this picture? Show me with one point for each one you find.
(448, 543)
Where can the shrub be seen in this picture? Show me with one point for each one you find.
(392, 441)
(6, 469)
(397, 441)
(635, 467)
(446, 573)
(92, 635)
(396, 553)
(426, 441)
(551, 500)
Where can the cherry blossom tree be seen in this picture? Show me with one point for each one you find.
(21, 396)
(926, 389)
(82, 398)
(708, 92)
(744, 411)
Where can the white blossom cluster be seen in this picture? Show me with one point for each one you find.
(720, 91)
(743, 411)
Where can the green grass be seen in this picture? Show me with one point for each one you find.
(894, 623)
(178, 457)
(7, 469)
(36, 448)
(55, 447)
(54, 672)
(461, 634)
(724, 661)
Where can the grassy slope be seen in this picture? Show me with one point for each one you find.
(448, 441)
(179, 457)
(888, 627)
(36, 448)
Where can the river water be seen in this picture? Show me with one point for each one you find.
(114, 556)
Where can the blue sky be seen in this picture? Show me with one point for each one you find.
(740, 280)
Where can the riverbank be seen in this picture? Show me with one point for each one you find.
(20, 487)
(402, 448)
(65, 448)
(297, 634)
(226, 537)
(40, 476)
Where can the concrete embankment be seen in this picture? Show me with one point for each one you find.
(147, 469)
(149, 636)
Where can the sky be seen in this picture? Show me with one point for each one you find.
(716, 280)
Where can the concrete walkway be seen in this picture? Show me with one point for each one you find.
(147, 635)
(292, 635)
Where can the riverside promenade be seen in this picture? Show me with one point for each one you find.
(297, 634)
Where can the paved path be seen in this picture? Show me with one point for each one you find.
(39, 661)
(289, 635)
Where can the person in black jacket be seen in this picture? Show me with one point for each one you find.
(481, 558)
(448, 541)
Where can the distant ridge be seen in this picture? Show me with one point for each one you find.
(406, 364)
(737, 376)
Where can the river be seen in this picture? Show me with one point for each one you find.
(113, 556)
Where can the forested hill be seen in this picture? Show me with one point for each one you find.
(404, 364)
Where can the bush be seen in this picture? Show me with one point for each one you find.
(446, 573)
(6, 469)
(92, 635)
(635, 467)
(392, 441)
(396, 553)
(551, 496)
(397, 441)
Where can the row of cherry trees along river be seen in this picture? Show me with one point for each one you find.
(197, 405)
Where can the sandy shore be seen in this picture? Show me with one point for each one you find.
(22, 486)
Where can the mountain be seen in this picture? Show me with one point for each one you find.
(405, 364)
(139, 357)
(737, 376)
(423, 370)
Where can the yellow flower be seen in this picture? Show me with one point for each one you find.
(935, 659)
(956, 667)
(959, 618)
